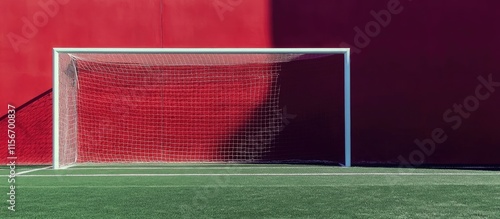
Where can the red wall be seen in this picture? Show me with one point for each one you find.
(219, 23)
(406, 74)
(25, 64)
(31, 28)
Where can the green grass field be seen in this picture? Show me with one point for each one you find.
(251, 191)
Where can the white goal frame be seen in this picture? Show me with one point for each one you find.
(343, 51)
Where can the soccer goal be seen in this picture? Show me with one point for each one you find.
(124, 105)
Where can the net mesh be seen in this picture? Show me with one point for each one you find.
(33, 131)
(168, 107)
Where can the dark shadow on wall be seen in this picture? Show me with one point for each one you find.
(312, 103)
(312, 115)
(308, 24)
(425, 60)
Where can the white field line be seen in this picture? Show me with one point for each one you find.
(250, 186)
(266, 174)
(67, 167)
(190, 168)
(33, 170)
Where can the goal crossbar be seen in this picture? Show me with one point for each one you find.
(343, 51)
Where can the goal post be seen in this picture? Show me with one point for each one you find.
(196, 105)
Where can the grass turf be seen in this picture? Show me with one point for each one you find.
(110, 192)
